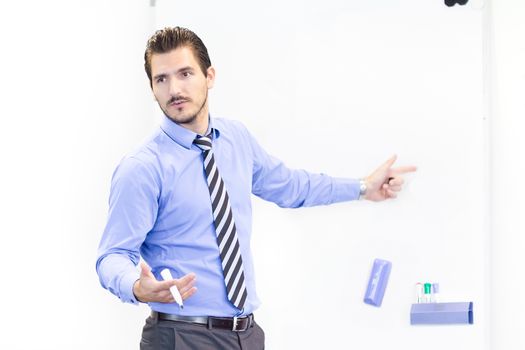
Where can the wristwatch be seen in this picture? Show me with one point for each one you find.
(362, 188)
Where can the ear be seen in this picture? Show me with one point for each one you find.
(210, 78)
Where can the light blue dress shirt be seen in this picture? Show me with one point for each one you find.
(160, 209)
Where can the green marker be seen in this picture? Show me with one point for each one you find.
(428, 291)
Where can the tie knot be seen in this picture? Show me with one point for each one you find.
(203, 142)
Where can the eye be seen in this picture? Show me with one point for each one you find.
(160, 80)
(186, 74)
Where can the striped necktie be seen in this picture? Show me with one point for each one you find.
(225, 229)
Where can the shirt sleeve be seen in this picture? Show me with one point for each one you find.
(293, 188)
(133, 206)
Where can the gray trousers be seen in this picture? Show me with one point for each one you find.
(170, 335)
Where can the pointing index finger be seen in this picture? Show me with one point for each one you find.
(403, 169)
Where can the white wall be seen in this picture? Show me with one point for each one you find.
(74, 100)
(507, 83)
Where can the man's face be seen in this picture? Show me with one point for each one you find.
(180, 87)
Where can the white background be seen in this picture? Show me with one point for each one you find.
(355, 81)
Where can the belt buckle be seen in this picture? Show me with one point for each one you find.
(235, 324)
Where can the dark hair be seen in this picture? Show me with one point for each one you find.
(168, 39)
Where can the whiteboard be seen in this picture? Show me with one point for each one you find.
(357, 81)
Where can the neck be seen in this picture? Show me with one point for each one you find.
(199, 124)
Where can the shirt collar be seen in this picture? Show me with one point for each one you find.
(183, 136)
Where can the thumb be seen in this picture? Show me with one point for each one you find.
(388, 164)
(145, 270)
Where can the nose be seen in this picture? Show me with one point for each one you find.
(175, 88)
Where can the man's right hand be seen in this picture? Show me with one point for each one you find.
(148, 289)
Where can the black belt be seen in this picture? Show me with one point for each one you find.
(236, 324)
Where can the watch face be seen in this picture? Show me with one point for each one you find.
(362, 188)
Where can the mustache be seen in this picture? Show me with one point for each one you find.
(175, 99)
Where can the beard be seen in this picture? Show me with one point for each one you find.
(185, 118)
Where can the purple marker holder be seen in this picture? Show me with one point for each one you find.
(442, 313)
(377, 282)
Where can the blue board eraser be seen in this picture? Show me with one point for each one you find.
(377, 282)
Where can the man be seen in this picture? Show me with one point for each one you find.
(182, 203)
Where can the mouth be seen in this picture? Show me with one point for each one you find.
(177, 103)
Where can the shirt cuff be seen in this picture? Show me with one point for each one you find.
(344, 189)
(126, 288)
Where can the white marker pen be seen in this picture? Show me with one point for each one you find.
(166, 275)
(419, 292)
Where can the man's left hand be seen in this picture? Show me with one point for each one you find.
(385, 182)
